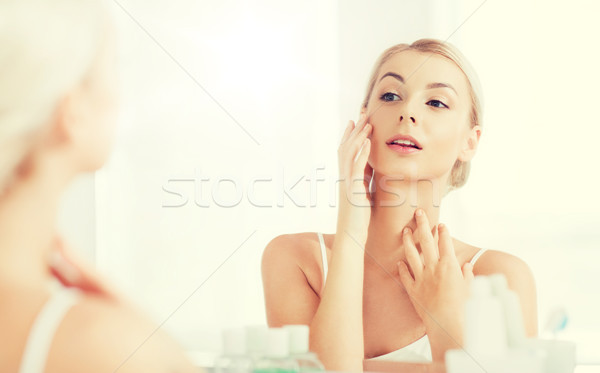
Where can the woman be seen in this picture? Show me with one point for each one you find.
(391, 282)
(57, 105)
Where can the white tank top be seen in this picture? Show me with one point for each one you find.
(43, 329)
(419, 350)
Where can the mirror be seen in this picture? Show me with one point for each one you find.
(231, 116)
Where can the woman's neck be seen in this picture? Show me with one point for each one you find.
(394, 205)
(28, 211)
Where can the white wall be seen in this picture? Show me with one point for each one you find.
(534, 187)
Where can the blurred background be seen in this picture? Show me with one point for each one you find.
(231, 113)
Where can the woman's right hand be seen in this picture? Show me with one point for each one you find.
(354, 212)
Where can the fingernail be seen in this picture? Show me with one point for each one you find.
(58, 262)
(55, 260)
(419, 212)
(406, 230)
(441, 226)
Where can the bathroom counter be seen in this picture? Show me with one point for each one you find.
(401, 367)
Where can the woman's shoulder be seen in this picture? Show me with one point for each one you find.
(298, 246)
(518, 274)
(296, 250)
(489, 261)
(102, 334)
(294, 241)
(496, 261)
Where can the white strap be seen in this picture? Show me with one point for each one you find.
(323, 256)
(43, 330)
(477, 256)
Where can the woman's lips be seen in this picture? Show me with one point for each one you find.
(403, 149)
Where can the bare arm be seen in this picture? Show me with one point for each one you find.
(335, 319)
(338, 322)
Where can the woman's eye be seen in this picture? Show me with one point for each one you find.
(436, 103)
(389, 96)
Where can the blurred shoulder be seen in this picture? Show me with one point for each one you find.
(494, 261)
(100, 335)
(518, 274)
(490, 261)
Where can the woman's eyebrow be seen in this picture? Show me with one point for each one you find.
(441, 85)
(429, 86)
(393, 75)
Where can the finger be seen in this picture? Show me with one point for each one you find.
(360, 125)
(467, 271)
(363, 157)
(405, 276)
(358, 168)
(347, 132)
(71, 276)
(428, 246)
(445, 244)
(63, 271)
(357, 142)
(368, 175)
(72, 271)
(412, 255)
(344, 165)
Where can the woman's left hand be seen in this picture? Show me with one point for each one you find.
(75, 272)
(437, 286)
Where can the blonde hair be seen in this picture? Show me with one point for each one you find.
(460, 170)
(47, 48)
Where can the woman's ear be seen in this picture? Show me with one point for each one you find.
(65, 127)
(469, 147)
(72, 134)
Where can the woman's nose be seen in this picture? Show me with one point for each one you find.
(412, 119)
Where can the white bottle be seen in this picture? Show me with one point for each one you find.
(307, 361)
(513, 315)
(485, 329)
(276, 359)
(233, 359)
(256, 341)
(486, 337)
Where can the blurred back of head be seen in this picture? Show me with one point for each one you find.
(47, 48)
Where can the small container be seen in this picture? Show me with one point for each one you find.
(256, 341)
(276, 358)
(233, 359)
(513, 314)
(560, 355)
(518, 360)
(485, 325)
(307, 361)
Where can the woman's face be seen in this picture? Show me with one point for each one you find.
(425, 96)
